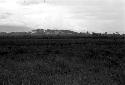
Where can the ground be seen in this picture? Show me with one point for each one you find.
(81, 61)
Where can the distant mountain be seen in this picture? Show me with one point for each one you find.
(18, 29)
(12, 28)
(53, 32)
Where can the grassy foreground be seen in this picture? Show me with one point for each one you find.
(82, 61)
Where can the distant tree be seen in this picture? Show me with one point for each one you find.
(38, 31)
(51, 31)
(105, 33)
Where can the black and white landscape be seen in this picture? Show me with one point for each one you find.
(62, 42)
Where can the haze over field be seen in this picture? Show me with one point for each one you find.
(76, 15)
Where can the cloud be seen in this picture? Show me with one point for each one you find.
(4, 15)
(98, 15)
(37, 15)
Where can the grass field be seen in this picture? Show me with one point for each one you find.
(69, 61)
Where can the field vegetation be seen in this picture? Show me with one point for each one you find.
(67, 60)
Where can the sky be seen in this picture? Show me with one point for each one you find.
(76, 15)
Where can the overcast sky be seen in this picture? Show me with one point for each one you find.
(79, 15)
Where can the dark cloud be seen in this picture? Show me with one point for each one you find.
(5, 15)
